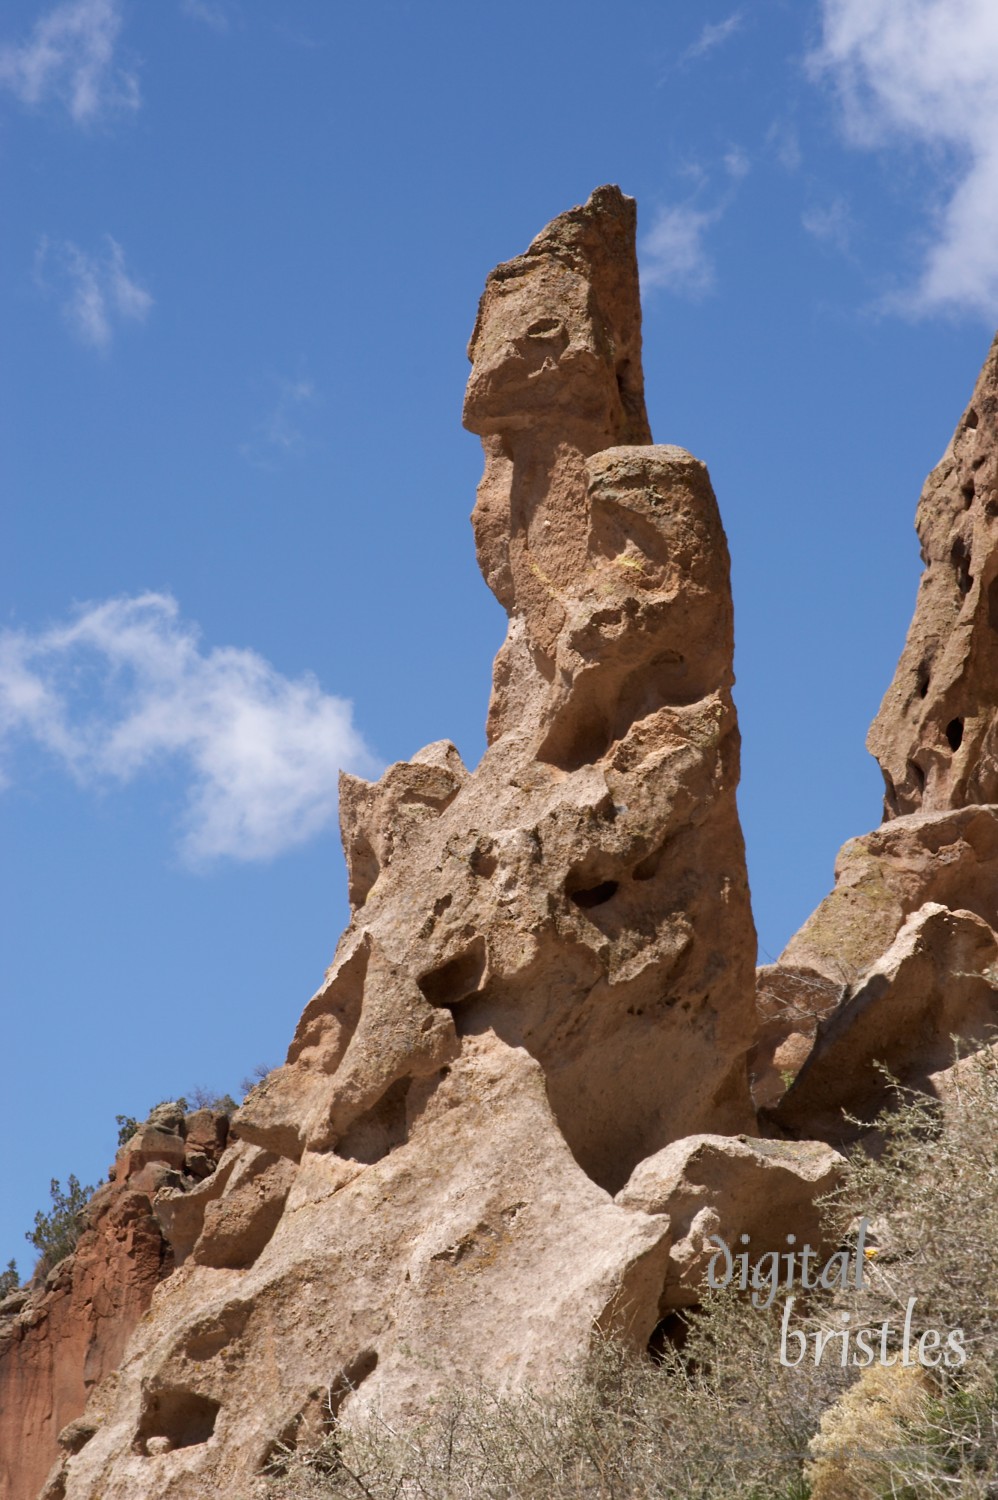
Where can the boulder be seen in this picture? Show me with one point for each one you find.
(937, 981)
(752, 1194)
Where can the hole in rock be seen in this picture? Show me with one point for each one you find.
(960, 558)
(917, 775)
(670, 1333)
(380, 1129)
(971, 418)
(351, 1377)
(606, 705)
(967, 491)
(458, 978)
(890, 793)
(544, 328)
(993, 604)
(596, 895)
(954, 734)
(575, 740)
(184, 1418)
(922, 680)
(483, 863)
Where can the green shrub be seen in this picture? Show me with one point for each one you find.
(9, 1279)
(202, 1098)
(55, 1234)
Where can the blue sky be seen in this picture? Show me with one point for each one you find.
(241, 255)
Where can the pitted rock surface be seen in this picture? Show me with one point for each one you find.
(548, 972)
(936, 735)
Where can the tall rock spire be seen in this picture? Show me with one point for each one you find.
(548, 972)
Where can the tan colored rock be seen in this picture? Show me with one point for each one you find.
(790, 1001)
(713, 1185)
(881, 878)
(537, 898)
(548, 974)
(938, 979)
(936, 738)
(936, 735)
(481, 1235)
(937, 741)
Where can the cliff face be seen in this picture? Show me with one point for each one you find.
(60, 1339)
(547, 976)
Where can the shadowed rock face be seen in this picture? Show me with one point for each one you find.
(936, 735)
(547, 976)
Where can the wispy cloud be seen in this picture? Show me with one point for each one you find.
(211, 12)
(70, 57)
(926, 71)
(673, 255)
(281, 433)
(126, 686)
(782, 137)
(737, 163)
(830, 223)
(96, 291)
(713, 35)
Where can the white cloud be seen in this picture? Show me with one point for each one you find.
(713, 35)
(737, 163)
(783, 138)
(70, 57)
(211, 12)
(281, 432)
(97, 291)
(127, 686)
(830, 223)
(926, 71)
(673, 255)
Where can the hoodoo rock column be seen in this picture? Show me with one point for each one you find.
(548, 971)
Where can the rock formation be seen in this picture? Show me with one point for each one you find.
(936, 735)
(548, 972)
(60, 1338)
(518, 1106)
(900, 957)
(710, 1184)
